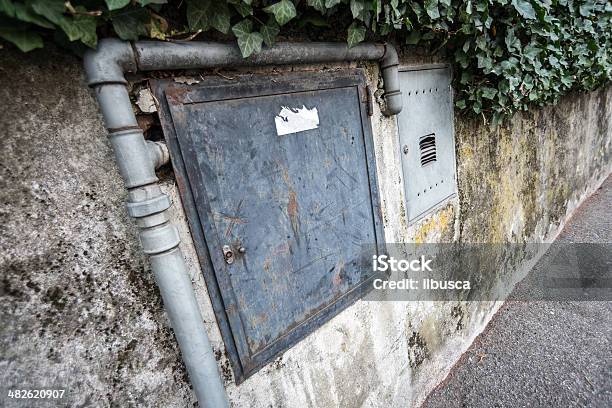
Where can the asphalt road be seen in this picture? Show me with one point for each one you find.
(544, 353)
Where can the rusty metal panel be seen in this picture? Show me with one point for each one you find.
(426, 138)
(281, 177)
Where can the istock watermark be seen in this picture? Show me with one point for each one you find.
(385, 263)
(484, 272)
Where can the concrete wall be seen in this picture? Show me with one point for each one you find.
(80, 310)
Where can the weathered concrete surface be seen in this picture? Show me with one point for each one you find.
(542, 353)
(518, 183)
(80, 307)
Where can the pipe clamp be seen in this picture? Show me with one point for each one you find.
(159, 239)
(152, 206)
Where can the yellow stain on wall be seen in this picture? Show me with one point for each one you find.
(439, 223)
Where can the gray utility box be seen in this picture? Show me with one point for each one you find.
(427, 147)
(277, 177)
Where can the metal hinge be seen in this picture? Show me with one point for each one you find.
(369, 100)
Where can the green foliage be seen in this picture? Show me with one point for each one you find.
(283, 11)
(249, 41)
(508, 54)
(356, 34)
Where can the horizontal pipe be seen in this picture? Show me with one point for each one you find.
(156, 55)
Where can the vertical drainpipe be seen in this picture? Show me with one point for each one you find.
(160, 240)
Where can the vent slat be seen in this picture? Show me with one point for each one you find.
(427, 145)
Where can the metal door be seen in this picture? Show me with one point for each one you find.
(426, 138)
(281, 179)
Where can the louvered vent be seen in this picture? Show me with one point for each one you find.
(427, 144)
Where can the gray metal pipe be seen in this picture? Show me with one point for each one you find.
(187, 55)
(155, 55)
(186, 319)
(148, 205)
(389, 67)
(159, 153)
(137, 159)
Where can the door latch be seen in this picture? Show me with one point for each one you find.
(228, 254)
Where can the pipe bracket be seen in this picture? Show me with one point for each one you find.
(151, 206)
(159, 239)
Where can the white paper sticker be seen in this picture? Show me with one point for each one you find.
(293, 120)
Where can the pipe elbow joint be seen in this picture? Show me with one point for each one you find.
(389, 64)
(159, 153)
(109, 62)
(390, 57)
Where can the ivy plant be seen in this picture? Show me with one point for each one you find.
(508, 54)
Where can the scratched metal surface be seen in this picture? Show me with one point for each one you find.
(302, 204)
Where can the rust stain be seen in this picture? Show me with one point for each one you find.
(176, 95)
(292, 205)
(337, 279)
(292, 211)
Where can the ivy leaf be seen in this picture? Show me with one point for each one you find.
(331, 3)
(531, 51)
(24, 40)
(269, 32)
(81, 27)
(283, 11)
(198, 14)
(524, 8)
(147, 2)
(318, 5)
(484, 62)
(489, 93)
(242, 8)
(512, 43)
(357, 7)
(204, 14)
(7, 7)
(131, 24)
(356, 34)
(243, 28)
(585, 9)
(116, 4)
(52, 10)
(249, 42)
(468, 9)
(431, 7)
(24, 13)
(220, 19)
